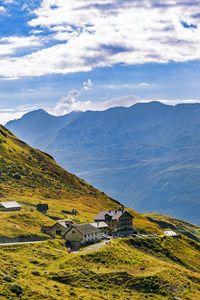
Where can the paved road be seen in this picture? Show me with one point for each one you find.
(21, 243)
(93, 247)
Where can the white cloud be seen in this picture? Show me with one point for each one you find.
(87, 85)
(73, 103)
(3, 10)
(11, 114)
(10, 45)
(146, 84)
(68, 103)
(141, 85)
(8, 1)
(101, 33)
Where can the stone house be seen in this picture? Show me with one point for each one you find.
(10, 206)
(82, 234)
(59, 228)
(117, 220)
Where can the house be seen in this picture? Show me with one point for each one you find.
(117, 220)
(82, 234)
(102, 226)
(43, 208)
(10, 206)
(58, 228)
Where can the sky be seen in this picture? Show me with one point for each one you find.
(66, 55)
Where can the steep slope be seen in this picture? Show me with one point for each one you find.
(27, 171)
(31, 176)
(146, 155)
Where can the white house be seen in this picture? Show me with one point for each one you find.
(10, 206)
(102, 226)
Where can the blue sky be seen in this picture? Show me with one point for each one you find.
(78, 55)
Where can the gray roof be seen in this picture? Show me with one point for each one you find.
(99, 224)
(64, 224)
(10, 204)
(85, 228)
(115, 214)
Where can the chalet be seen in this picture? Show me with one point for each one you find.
(102, 226)
(42, 208)
(117, 220)
(82, 234)
(10, 206)
(59, 228)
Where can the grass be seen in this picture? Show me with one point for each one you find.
(119, 270)
(148, 268)
(30, 176)
(166, 222)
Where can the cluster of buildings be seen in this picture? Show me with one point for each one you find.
(105, 223)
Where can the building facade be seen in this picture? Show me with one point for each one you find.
(102, 226)
(82, 234)
(117, 220)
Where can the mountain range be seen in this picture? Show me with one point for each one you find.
(147, 155)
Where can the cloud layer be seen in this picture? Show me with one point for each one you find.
(79, 36)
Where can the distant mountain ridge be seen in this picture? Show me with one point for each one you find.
(147, 155)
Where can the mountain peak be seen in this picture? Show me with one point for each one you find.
(39, 111)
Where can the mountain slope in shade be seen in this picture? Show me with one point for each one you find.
(147, 155)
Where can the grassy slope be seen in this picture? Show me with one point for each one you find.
(167, 222)
(31, 176)
(124, 269)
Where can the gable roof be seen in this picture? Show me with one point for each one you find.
(99, 224)
(10, 204)
(64, 224)
(114, 214)
(85, 228)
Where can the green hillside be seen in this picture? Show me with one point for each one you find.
(31, 176)
(125, 269)
(161, 268)
(166, 222)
